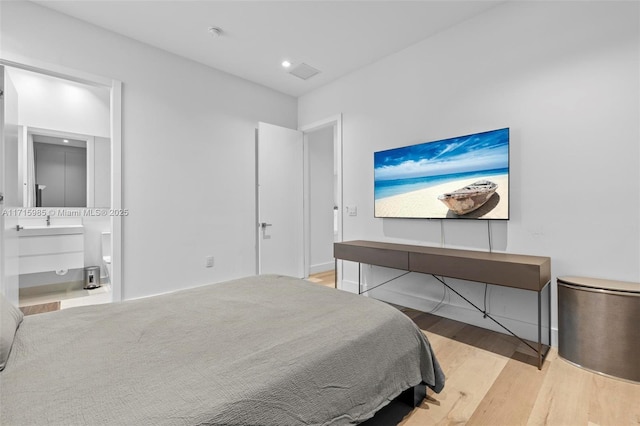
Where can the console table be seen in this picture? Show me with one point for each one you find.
(532, 273)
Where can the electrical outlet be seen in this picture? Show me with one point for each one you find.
(209, 261)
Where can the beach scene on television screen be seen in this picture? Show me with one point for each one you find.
(462, 177)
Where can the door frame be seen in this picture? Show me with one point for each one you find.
(9, 144)
(335, 122)
(115, 89)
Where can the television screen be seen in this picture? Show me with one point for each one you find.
(465, 177)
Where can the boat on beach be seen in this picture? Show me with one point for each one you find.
(469, 198)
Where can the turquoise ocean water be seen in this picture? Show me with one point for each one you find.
(389, 188)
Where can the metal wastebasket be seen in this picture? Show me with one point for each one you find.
(91, 277)
(598, 325)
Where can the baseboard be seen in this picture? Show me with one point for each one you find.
(466, 314)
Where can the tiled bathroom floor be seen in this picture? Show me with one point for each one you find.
(72, 298)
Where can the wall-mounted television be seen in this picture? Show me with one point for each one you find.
(466, 177)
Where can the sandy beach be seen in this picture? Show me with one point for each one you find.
(425, 203)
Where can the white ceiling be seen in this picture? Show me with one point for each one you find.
(336, 37)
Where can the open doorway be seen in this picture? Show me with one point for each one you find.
(66, 123)
(298, 198)
(323, 197)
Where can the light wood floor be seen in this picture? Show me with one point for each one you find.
(326, 279)
(40, 308)
(492, 379)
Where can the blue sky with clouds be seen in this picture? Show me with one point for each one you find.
(477, 152)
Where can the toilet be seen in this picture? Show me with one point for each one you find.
(106, 253)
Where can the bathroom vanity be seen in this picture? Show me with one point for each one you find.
(44, 248)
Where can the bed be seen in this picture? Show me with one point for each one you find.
(264, 350)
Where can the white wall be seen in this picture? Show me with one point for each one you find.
(102, 172)
(187, 143)
(564, 77)
(56, 104)
(321, 200)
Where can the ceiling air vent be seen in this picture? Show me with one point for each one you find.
(304, 71)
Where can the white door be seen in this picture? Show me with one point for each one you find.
(10, 188)
(280, 201)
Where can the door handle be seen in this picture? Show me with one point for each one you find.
(263, 225)
(19, 228)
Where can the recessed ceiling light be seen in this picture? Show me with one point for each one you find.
(286, 64)
(65, 140)
(215, 32)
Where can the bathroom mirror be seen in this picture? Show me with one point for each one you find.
(62, 169)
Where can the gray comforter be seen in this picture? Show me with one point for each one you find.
(267, 350)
